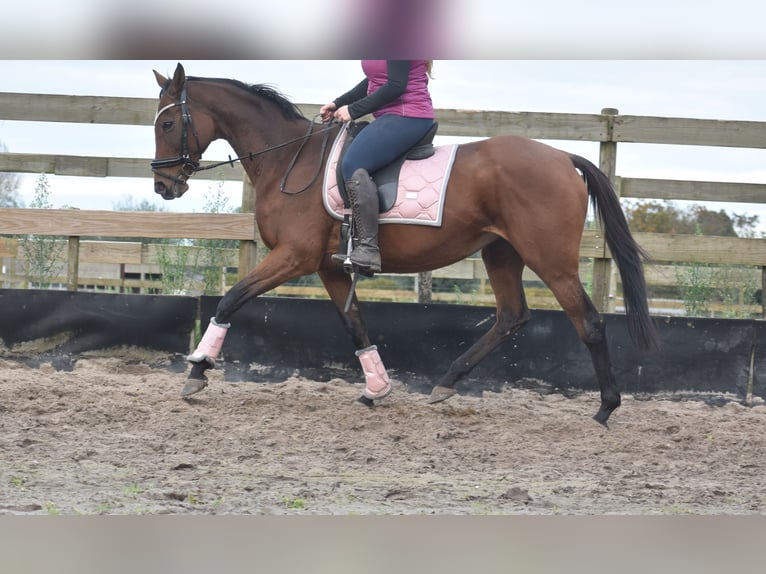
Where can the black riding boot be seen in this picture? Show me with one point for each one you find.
(363, 194)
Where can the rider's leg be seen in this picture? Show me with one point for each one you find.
(377, 145)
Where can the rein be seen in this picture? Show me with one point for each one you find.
(190, 166)
(302, 139)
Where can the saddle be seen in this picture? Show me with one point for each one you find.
(387, 177)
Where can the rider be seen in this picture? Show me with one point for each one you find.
(396, 93)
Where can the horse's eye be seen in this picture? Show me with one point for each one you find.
(167, 125)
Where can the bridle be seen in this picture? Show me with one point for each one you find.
(188, 165)
(191, 166)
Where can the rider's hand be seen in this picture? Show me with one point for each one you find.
(342, 115)
(326, 111)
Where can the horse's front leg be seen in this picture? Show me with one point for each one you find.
(273, 271)
(377, 383)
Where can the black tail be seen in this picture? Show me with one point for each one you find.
(628, 255)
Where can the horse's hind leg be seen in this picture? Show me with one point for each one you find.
(504, 269)
(590, 327)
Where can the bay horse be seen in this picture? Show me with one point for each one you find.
(518, 201)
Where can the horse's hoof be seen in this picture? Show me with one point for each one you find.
(193, 386)
(365, 401)
(381, 394)
(601, 419)
(439, 394)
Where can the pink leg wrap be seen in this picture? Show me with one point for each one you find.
(377, 382)
(210, 345)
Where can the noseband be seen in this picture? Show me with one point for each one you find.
(188, 165)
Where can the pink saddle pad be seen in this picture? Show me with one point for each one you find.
(421, 191)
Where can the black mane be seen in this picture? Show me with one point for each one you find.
(288, 109)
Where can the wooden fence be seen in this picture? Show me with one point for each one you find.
(607, 128)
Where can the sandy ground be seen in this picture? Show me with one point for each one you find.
(112, 436)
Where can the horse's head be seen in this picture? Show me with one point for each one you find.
(177, 155)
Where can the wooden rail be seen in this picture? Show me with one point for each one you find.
(607, 128)
(75, 222)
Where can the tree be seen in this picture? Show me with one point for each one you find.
(198, 262)
(708, 222)
(699, 285)
(658, 217)
(42, 253)
(128, 203)
(9, 186)
(745, 224)
(211, 261)
(655, 217)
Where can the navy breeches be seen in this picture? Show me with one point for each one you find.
(382, 142)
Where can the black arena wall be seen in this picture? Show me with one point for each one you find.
(273, 338)
(69, 323)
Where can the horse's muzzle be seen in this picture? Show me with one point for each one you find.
(179, 187)
(168, 193)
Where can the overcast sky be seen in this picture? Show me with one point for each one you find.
(713, 89)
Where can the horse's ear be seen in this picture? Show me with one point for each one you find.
(161, 80)
(179, 78)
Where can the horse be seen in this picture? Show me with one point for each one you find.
(518, 201)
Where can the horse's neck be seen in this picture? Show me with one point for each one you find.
(256, 129)
(258, 135)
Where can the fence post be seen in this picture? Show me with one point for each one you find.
(424, 285)
(763, 292)
(248, 249)
(73, 262)
(604, 280)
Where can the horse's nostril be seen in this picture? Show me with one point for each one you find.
(161, 189)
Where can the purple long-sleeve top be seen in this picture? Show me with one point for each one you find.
(390, 87)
